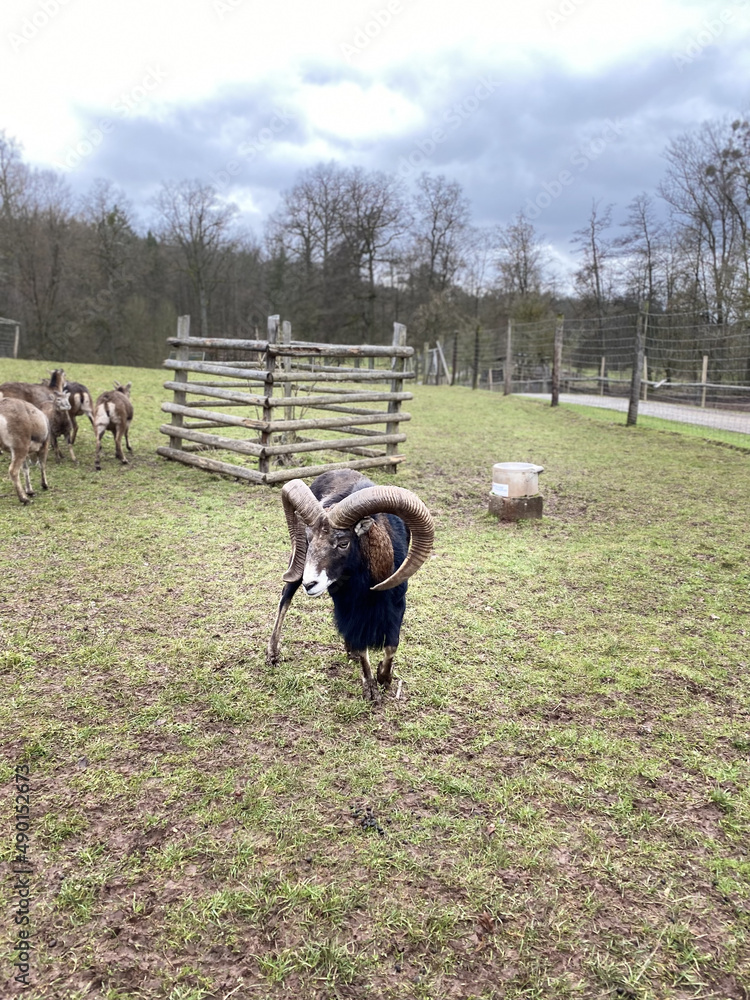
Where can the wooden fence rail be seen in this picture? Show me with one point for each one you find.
(285, 377)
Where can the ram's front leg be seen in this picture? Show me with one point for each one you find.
(272, 650)
(385, 667)
(369, 684)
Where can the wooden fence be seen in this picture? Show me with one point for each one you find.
(292, 377)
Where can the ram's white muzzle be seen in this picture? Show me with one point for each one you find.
(315, 581)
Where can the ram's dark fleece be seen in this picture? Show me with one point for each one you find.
(352, 538)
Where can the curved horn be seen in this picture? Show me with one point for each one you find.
(301, 507)
(390, 500)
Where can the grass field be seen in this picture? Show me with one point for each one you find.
(557, 807)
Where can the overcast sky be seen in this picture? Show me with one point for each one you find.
(535, 104)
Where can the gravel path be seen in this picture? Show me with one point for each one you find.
(725, 420)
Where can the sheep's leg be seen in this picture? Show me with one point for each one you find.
(127, 442)
(69, 440)
(385, 667)
(99, 429)
(27, 477)
(43, 452)
(74, 431)
(16, 464)
(118, 445)
(369, 684)
(272, 650)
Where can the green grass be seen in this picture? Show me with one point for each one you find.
(557, 807)
(706, 433)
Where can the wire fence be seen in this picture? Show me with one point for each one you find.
(10, 330)
(681, 363)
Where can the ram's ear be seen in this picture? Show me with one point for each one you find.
(363, 526)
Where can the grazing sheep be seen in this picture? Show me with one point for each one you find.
(80, 405)
(113, 412)
(24, 430)
(53, 402)
(351, 538)
(80, 399)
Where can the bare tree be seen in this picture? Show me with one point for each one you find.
(37, 234)
(306, 239)
(440, 228)
(476, 269)
(703, 187)
(642, 248)
(521, 264)
(111, 250)
(374, 217)
(193, 220)
(593, 278)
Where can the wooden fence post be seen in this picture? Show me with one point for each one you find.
(704, 380)
(508, 386)
(180, 398)
(645, 378)
(394, 405)
(286, 338)
(442, 362)
(635, 384)
(264, 465)
(602, 370)
(475, 373)
(16, 340)
(557, 361)
(455, 357)
(426, 359)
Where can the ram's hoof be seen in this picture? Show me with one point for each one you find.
(371, 691)
(384, 679)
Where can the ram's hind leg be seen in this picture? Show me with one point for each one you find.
(272, 650)
(385, 667)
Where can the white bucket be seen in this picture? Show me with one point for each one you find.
(515, 479)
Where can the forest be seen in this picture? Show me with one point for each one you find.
(348, 251)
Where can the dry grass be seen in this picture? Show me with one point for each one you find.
(558, 806)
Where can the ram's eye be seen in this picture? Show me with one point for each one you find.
(344, 544)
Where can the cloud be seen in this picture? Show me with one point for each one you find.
(506, 130)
